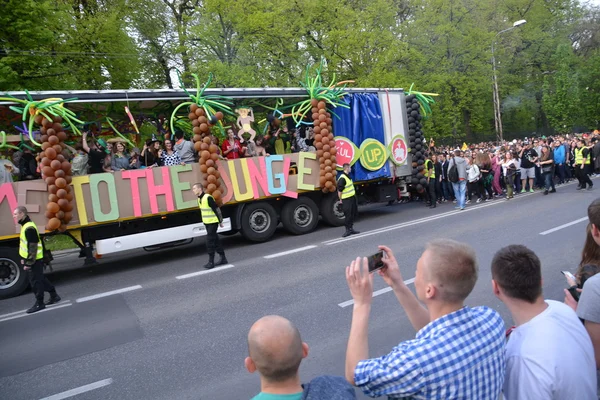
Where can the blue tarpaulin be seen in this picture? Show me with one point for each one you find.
(362, 121)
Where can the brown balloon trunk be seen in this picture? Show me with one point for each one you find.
(56, 171)
(325, 145)
(209, 153)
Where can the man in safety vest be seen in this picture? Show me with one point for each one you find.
(429, 173)
(582, 166)
(212, 218)
(347, 195)
(31, 252)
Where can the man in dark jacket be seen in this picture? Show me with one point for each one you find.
(276, 350)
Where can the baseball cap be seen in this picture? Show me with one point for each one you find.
(103, 144)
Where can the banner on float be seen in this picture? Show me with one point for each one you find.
(346, 152)
(373, 154)
(398, 150)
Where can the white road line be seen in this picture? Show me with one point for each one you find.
(21, 314)
(105, 294)
(208, 271)
(376, 293)
(285, 253)
(22, 311)
(558, 228)
(79, 390)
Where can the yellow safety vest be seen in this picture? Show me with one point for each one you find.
(579, 157)
(208, 215)
(430, 173)
(23, 251)
(348, 189)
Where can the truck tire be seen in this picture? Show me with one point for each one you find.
(259, 221)
(300, 216)
(331, 210)
(13, 280)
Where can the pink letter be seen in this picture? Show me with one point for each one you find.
(134, 175)
(259, 177)
(155, 190)
(286, 173)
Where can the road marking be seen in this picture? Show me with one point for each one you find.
(208, 271)
(105, 294)
(285, 253)
(376, 293)
(558, 228)
(79, 390)
(22, 313)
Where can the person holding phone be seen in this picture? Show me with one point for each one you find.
(458, 350)
(347, 195)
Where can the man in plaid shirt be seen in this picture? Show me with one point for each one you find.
(458, 352)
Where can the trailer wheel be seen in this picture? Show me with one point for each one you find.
(259, 221)
(300, 216)
(331, 210)
(13, 280)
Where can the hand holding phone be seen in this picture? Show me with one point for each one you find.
(571, 280)
(375, 261)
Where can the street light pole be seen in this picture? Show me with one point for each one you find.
(496, 93)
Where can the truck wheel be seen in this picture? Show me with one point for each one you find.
(13, 280)
(259, 221)
(300, 216)
(331, 210)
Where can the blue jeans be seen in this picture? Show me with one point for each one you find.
(447, 190)
(460, 189)
(549, 180)
(560, 171)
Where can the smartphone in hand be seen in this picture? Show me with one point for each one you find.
(572, 283)
(375, 261)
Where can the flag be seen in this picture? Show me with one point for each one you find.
(464, 147)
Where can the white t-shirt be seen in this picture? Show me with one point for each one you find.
(550, 357)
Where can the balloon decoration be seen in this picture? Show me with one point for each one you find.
(417, 108)
(50, 114)
(205, 112)
(319, 97)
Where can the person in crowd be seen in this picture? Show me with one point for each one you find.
(540, 369)
(298, 142)
(120, 159)
(149, 156)
(460, 186)
(184, 148)
(231, 147)
(7, 170)
(260, 149)
(588, 266)
(458, 351)
(509, 168)
(484, 164)
(212, 219)
(547, 166)
(430, 175)
(275, 350)
(110, 152)
(447, 191)
(559, 161)
(438, 177)
(134, 159)
(279, 141)
(582, 166)
(539, 179)
(27, 166)
(497, 161)
(310, 136)
(169, 156)
(31, 251)
(473, 176)
(528, 157)
(347, 195)
(97, 154)
(79, 163)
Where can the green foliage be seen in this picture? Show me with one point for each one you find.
(547, 69)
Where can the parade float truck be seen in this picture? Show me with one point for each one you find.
(152, 208)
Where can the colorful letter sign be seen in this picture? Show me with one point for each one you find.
(398, 150)
(346, 152)
(373, 154)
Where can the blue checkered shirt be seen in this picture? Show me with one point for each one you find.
(458, 356)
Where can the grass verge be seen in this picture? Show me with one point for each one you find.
(59, 242)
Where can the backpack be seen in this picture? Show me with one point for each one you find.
(453, 173)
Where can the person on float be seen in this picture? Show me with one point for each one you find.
(232, 148)
(347, 195)
(212, 219)
(31, 252)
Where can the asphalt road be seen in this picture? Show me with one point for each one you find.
(172, 336)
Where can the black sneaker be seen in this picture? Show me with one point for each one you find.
(590, 187)
(347, 233)
(545, 192)
(222, 260)
(352, 231)
(38, 306)
(53, 299)
(553, 191)
(209, 265)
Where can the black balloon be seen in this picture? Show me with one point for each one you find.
(414, 181)
(420, 168)
(418, 154)
(419, 188)
(420, 176)
(415, 106)
(420, 162)
(414, 113)
(423, 181)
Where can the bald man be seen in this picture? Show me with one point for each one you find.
(458, 352)
(276, 350)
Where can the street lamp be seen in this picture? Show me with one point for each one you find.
(497, 109)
